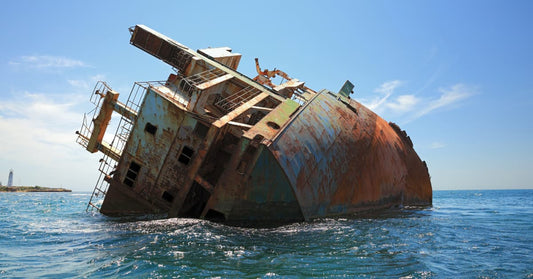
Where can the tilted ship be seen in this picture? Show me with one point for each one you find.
(212, 143)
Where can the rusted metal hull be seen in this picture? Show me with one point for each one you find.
(332, 159)
(341, 158)
(212, 143)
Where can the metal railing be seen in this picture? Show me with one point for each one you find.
(87, 125)
(188, 84)
(236, 99)
(120, 137)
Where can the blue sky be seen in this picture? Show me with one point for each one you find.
(456, 75)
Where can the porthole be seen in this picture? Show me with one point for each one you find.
(273, 125)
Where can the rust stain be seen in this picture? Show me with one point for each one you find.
(210, 142)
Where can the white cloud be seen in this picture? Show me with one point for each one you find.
(98, 77)
(47, 62)
(78, 83)
(38, 140)
(449, 96)
(40, 118)
(437, 145)
(85, 84)
(385, 90)
(410, 107)
(403, 103)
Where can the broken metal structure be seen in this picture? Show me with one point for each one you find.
(212, 143)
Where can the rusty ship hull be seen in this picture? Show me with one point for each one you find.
(212, 143)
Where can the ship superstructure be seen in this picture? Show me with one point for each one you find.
(210, 142)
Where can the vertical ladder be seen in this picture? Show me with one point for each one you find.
(109, 161)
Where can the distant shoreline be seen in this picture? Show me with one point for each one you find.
(32, 189)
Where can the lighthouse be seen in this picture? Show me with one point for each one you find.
(10, 178)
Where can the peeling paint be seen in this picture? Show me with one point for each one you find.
(212, 143)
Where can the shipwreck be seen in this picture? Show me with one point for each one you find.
(210, 142)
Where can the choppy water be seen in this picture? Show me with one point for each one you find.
(465, 234)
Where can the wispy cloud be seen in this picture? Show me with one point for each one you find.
(449, 96)
(437, 145)
(409, 106)
(403, 103)
(47, 62)
(385, 90)
(78, 83)
(85, 84)
(49, 112)
(39, 138)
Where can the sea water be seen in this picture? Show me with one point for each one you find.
(468, 234)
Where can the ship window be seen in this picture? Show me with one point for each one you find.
(186, 155)
(150, 128)
(201, 130)
(132, 173)
(168, 197)
(273, 125)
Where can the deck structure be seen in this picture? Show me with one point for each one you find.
(210, 142)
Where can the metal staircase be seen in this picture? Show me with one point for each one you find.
(120, 137)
